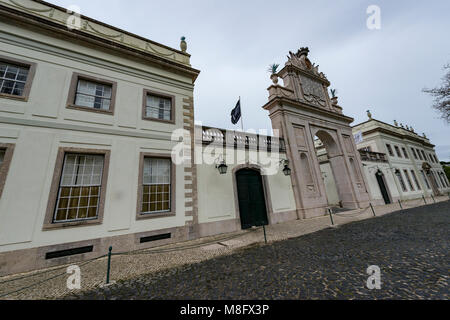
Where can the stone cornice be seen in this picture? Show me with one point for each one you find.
(280, 101)
(393, 131)
(52, 18)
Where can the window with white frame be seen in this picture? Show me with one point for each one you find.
(93, 95)
(158, 107)
(443, 182)
(405, 153)
(414, 153)
(408, 179)
(420, 155)
(415, 179)
(389, 148)
(436, 179)
(80, 188)
(424, 156)
(444, 177)
(397, 151)
(400, 180)
(13, 78)
(425, 179)
(156, 191)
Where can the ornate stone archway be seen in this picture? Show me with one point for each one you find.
(302, 109)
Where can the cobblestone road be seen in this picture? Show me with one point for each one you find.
(410, 247)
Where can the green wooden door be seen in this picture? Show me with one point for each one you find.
(252, 203)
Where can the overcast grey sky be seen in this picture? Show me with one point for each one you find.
(233, 43)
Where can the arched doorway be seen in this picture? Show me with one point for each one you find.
(338, 180)
(383, 188)
(251, 198)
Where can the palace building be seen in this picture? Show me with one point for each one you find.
(98, 146)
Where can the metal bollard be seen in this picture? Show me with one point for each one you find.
(400, 203)
(424, 199)
(433, 199)
(373, 211)
(265, 236)
(331, 216)
(109, 265)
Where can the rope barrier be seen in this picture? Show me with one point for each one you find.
(139, 252)
(152, 251)
(51, 278)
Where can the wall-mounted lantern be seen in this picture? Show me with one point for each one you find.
(286, 170)
(222, 167)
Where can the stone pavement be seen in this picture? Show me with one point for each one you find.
(327, 264)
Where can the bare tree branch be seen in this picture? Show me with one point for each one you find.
(442, 96)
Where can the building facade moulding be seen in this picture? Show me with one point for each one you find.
(54, 18)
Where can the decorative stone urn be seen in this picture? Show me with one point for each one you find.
(274, 78)
(183, 44)
(334, 101)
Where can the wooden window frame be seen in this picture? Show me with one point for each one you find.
(73, 90)
(49, 224)
(4, 168)
(172, 212)
(28, 84)
(161, 95)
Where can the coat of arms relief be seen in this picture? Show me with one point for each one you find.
(312, 88)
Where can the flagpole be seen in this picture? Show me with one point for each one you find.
(242, 121)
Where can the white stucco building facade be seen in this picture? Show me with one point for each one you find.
(98, 147)
(410, 164)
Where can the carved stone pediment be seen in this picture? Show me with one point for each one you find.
(301, 61)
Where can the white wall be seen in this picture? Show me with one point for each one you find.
(216, 194)
(43, 124)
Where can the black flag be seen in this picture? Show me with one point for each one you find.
(236, 113)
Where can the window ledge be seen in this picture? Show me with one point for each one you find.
(13, 97)
(82, 108)
(144, 216)
(158, 120)
(65, 225)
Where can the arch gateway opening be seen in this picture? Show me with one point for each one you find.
(319, 139)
